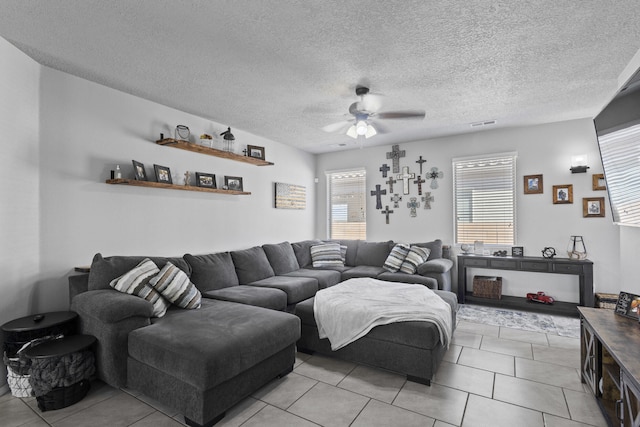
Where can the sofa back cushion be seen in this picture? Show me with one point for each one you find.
(212, 271)
(373, 253)
(281, 257)
(104, 270)
(435, 247)
(251, 265)
(352, 251)
(303, 251)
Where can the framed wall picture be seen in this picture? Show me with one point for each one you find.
(628, 305)
(533, 184)
(233, 183)
(593, 207)
(139, 171)
(562, 194)
(255, 152)
(598, 182)
(206, 180)
(163, 174)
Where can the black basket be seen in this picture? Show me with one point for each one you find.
(13, 341)
(61, 397)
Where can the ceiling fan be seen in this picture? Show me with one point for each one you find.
(366, 115)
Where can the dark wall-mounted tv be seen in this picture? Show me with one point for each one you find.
(618, 130)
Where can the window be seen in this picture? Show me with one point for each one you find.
(484, 198)
(347, 207)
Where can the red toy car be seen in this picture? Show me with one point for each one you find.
(540, 297)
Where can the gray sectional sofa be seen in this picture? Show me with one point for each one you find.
(202, 362)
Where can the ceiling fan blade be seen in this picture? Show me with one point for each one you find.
(379, 126)
(408, 114)
(372, 102)
(337, 127)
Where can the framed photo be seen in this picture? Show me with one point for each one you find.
(598, 182)
(562, 194)
(206, 180)
(163, 174)
(533, 184)
(593, 207)
(255, 152)
(517, 251)
(233, 183)
(628, 305)
(139, 171)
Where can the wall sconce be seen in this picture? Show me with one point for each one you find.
(579, 164)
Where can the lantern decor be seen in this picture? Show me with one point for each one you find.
(228, 140)
(576, 248)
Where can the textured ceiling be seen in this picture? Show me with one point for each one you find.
(283, 69)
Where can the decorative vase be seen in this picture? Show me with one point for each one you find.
(576, 248)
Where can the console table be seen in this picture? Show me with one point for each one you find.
(583, 269)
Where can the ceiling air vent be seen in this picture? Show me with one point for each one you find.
(484, 123)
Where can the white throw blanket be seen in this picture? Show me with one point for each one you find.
(349, 310)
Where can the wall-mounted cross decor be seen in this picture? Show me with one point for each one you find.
(384, 169)
(419, 181)
(378, 193)
(421, 161)
(395, 155)
(433, 175)
(390, 181)
(413, 205)
(386, 212)
(395, 199)
(405, 176)
(427, 199)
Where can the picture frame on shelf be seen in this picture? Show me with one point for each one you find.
(163, 174)
(205, 180)
(562, 194)
(517, 251)
(628, 305)
(533, 184)
(139, 171)
(233, 183)
(255, 151)
(593, 207)
(598, 183)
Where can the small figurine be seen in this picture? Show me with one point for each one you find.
(187, 177)
(548, 252)
(540, 297)
(500, 253)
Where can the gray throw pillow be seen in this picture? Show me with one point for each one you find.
(251, 265)
(212, 271)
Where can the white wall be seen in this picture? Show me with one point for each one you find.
(544, 149)
(19, 181)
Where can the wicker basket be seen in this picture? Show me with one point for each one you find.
(487, 287)
(62, 397)
(606, 300)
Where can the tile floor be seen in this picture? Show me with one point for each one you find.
(492, 376)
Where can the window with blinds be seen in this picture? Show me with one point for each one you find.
(484, 199)
(347, 204)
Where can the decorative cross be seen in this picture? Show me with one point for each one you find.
(395, 199)
(378, 193)
(405, 176)
(421, 161)
(245, 152)
(386, 212)
(435, 174)
(413, 205)
(427, 199)
(419, 181)
(390, 181)
(384, 169)
(395, 155)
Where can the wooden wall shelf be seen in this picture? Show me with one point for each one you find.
(137, 183)
(184, 145)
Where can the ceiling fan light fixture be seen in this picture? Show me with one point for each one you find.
(362, 127)
(352, 132)
(371, 131)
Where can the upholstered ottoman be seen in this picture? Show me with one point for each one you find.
(202, 362)
(411, 348)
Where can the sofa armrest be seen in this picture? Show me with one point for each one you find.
(439, 265)
(110, 306)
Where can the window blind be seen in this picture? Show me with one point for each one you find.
(347, 206)
(484, 198)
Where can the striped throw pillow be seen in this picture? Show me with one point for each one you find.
(415, 257)
(343, 253)
(326, 255)
(174, 285)
(136, 282)
(396, 257)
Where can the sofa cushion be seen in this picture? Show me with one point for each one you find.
(281, 257)
(373, 253)
(429, 282)
(136, 282)
(251, 265)
(296, 288)
(303, 253)
(325, 277)
(273, 299)
(396, 257)
(212, 271)
(435, 247)
(352, 250)
(362, 271)
(416, 257)
(174, 285)
(326, 255)
(104, 270)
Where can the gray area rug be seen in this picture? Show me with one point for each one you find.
(543, 323)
